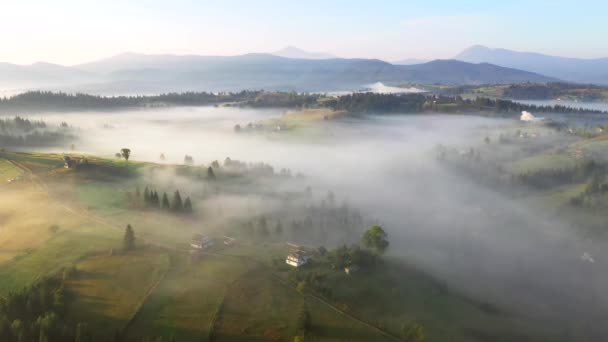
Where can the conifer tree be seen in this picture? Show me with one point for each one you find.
(129, 239)
(177, 204)
(165, 203)
(188, 205)
(146, 196)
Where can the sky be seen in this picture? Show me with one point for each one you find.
(76, 31)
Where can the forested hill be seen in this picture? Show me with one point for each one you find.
(352, 103)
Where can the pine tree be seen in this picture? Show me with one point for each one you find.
(147, 196)
(188, 205)
(129, 239)
(155, 199)
(165, 204)
(178, 206)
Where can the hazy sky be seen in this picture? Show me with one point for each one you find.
(74, 31)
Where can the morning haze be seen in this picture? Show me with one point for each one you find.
(278, 172)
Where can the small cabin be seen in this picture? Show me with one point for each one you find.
(72, 162)
(296, 259)
(200, 241)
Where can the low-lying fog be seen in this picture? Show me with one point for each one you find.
(471, 236)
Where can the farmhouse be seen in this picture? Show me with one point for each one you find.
(296, 259)
(200, 241)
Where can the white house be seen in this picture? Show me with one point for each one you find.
(200, 241)
(296, 259)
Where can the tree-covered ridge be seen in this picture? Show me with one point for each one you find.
(530, 91)
(352, 103)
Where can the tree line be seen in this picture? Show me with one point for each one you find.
(152, 200)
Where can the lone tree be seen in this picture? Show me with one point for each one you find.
(125, 153)
(376, 239)
(129, 239)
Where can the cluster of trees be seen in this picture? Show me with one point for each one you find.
(532, 91)
(546, 91)
(260, 228)
(546, 178)
(20, 124)
(37, 313)
(324, 222)
(416, 103)
(377, 103)
(233, 166)
(152, 200)
(595, 192)
(19, 131)
(508, 106)
(345, 256)
(282, 99)
(124, 153)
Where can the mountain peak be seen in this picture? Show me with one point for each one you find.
(291, 51)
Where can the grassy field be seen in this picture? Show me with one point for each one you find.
(258, 307)
(407, 295)
(236, 290)
(8, 170)
(184, 304)
(108, 290)
(63, 249)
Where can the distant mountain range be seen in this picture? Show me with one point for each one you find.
(567, 69)
(144, 74)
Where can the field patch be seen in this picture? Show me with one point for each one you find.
(546, 161)
(63, 249)
(108, 289)
(8, 170)
(185, 302)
